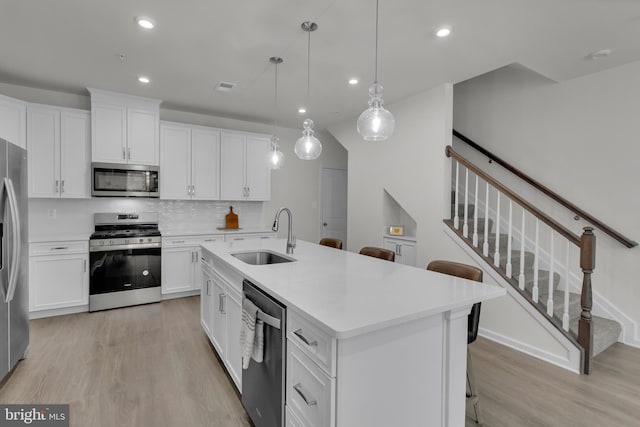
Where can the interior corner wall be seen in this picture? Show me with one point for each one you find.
(296, 185)
(411, 166)
(579, 138)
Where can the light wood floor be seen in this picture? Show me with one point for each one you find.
(152, 365)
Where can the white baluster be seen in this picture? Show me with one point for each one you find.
(456, 221)
(552, 261)
(496, 255)
(534, 291)
(475, 217)
(465, 226)
(509, 266)
(565, 315)
(522, 258)
(485, 246)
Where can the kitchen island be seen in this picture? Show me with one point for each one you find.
(374, 343)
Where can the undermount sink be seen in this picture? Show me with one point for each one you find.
(261, 257)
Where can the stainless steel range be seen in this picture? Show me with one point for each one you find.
(124, 253)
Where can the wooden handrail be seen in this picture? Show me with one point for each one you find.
(629, 243)
(568, 234)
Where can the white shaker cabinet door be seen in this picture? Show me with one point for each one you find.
(175, 158)
(43, 148)
(257, 173)
(177, 269)
(205, 160)
(233, 356)
(75, 154)
(232, 175)
(58, 281)
(13, 121)
(109, 133)
(142, 137)
(206, 302)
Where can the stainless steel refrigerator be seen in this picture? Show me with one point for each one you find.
(14, 267)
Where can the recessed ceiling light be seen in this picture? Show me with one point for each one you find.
(353, 82)
(600, 54)
(145, 22)
(302, 110)
(225, 86)
(444, 31)
(144, 79)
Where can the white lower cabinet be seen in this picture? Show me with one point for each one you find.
(221, 311)
(181, 262)
(405, 250)
(291, 420)
(310, 391)
(58, 275)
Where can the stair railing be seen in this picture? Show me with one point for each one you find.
(626, 241)
(528, 234)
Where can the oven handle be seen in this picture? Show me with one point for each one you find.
(125, 247)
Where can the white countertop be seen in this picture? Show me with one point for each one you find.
(351, 294)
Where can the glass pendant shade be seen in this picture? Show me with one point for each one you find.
(308, 147)
(375, 123)
(275, 157)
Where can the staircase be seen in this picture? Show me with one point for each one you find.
(605, 331)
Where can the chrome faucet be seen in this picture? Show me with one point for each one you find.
(291, 239)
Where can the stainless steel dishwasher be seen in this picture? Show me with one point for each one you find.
(263, 384)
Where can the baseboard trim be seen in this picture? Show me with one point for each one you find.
(58, 311)
(181, 294)
(528, 349)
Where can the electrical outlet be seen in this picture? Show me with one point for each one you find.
(51, 213)
(193, 212)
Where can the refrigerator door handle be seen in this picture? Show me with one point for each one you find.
(17, 243)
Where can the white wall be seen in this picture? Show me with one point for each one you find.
(296, 186)
(579, 138)
(412, 167)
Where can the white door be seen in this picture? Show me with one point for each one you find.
(205, 161)
(177, 269)
(43, 142)
(334, 204)
(175, 162)
(258, 174)
(13, 117)
(233, 355)
(206, 302)
(108, 130)
(142, 137)
(232, 182)
(75, 154)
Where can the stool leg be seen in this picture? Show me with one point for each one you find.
(472, 394)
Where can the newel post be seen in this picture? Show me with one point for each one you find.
(585, 326)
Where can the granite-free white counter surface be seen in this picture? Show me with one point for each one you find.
(351, 294)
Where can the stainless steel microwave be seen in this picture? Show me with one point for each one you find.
(123, 180)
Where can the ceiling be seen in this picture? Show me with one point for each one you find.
(69, 45)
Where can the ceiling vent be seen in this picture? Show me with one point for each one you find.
(225, 86)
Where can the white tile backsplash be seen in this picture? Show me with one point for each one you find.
(74, 218)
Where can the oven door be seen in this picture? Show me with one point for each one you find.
(124, 269)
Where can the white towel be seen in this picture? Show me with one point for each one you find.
(258, 342)
(247, 331)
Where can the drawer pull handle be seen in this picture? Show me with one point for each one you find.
(60, 248)
(177, 241)
(298, 388)
(304, 339)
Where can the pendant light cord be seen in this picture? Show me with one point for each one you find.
(275, 102)
(309, 70)
(375, 77)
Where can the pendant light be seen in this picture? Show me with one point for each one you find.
(275, 157)
(375, 123)
(308, 147)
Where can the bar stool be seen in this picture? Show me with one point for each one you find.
(332, 243)
(472, 273)
(381, 253)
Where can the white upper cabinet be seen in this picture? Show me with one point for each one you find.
(58, 141)
(244, 174)
(190, 157)
(125, 128)
(13, 121)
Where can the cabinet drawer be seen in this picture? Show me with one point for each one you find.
(310, 391)
(179, 241)
(56, 248)
(318, 345)
(291, 420)
(249, 236)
